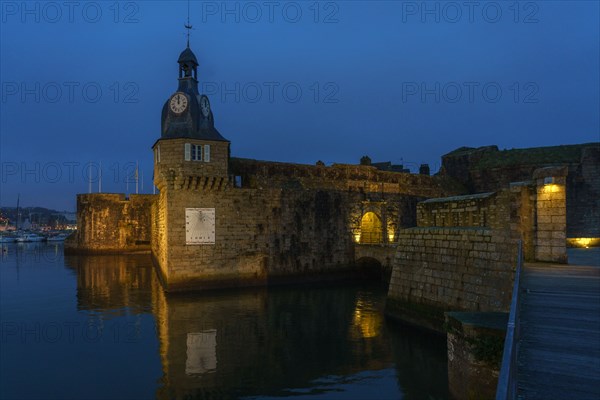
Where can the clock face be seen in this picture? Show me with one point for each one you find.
(199, 226)
(178, 103)
(204, 105)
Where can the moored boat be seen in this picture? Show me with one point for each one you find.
(30, 237)
(7, 239)
(58, 238)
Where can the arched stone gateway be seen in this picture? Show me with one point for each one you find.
(368, 263)
(371, 228)
(375, 260)
(371, 268)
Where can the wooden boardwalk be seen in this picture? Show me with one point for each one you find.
(559, 344)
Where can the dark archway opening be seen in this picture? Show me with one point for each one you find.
(372, 269)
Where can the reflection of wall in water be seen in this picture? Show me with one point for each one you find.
(113, 282)
(421, 362)
(228, 344)
(261, 342)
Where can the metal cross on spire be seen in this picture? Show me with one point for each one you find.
(188, 26)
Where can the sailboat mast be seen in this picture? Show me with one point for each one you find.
(17, 223)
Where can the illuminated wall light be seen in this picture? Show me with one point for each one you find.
(551, 188)
(357, 237)
(391, 236)
(583, 242)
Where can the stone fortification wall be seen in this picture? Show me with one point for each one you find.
(109, 222)
(450, 269)
(462, 255)
(551, 218)
(473, 210)
(583, 196)
(276, 221)
(487, 169)
(359, 178)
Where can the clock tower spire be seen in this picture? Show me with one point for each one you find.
(188, 64)
(188, 26)
(187, 113)
(189, 145)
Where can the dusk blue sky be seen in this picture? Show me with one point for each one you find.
(369, 74)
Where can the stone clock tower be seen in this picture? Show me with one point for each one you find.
(189, 142)
(191, 171)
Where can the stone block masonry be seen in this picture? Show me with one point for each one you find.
(344, 177)
(462, 255)
(281, 222)
(171, 155)
(278, 222)
(450, 269)
(487, 169)
(551, 232)
(512, 210)
(583, 196)
(472, 210)
(259, 235)
(475, 344)
(112, 223)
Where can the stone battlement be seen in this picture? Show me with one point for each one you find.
(112, 223)
(487, 169)
(361, 178)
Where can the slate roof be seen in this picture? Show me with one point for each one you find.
(186, 56)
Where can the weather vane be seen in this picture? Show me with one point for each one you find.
(188, 26)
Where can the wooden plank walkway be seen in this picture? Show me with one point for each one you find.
(559, 340)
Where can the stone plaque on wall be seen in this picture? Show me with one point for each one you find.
(199, 225)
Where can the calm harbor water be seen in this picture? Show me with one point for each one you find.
(100, 327)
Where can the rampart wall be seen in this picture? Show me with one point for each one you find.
(487, 169)
(108, 222)
(276, 221)
(450, 269)
(462, 255)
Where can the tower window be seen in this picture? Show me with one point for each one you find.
(197, 152)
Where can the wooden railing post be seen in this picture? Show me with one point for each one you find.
(507, 381)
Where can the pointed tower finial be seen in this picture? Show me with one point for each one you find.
(188, 26)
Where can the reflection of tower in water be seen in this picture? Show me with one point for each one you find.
(263, 341)
(208, 342)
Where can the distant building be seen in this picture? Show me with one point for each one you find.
(69, 216)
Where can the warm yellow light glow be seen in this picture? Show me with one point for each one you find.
(371, 228)
(357, 237)
(583, 242)
(391, 236)
(551, 188)
(367, 321)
